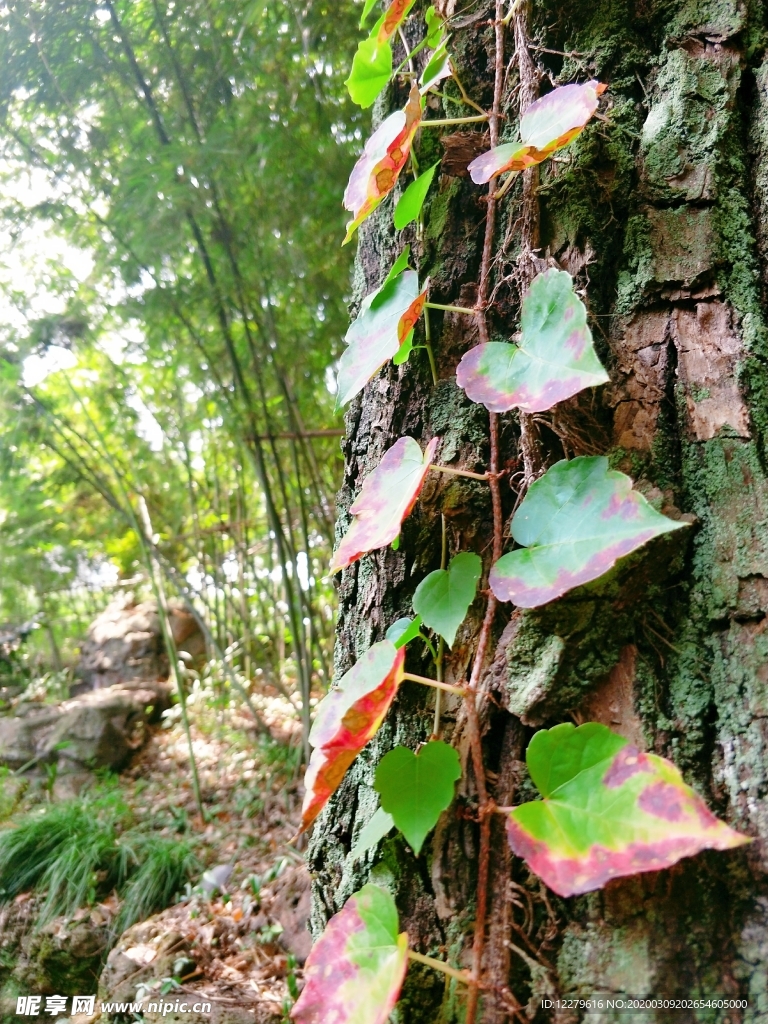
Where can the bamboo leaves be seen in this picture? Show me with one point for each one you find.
(387, 496)
(357, 966)
(574, 523)
(554, 360)
(608, 810)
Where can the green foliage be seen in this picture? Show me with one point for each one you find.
(371, 70)
(442, 599)
(410, 203)
(404, 630)
(416, 788)
(74, 851)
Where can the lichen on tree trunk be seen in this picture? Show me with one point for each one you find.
(660, 211)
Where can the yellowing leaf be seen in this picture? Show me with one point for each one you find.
(356, 968)
(547, 125)
(375, 173)
(387, 496)
(608, 810)
(346, 719)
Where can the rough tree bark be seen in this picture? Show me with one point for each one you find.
(661, 213)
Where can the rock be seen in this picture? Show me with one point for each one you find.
(125, 643)
(94, 730)
(144, 953)
(62, 958)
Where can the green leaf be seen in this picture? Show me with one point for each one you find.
(371, 835)
(435, 27)
(371, 71)
(411, 201)
(554, 360)
(443, 598)
(438, 68)
(574, 523)
(356, 968)
(369, 5)
(403, 354)
(416, 788)
(403, 631)
(400, 264)
(608, 810)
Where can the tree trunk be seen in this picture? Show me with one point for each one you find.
(660, 211)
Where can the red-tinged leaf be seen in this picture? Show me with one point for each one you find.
(386, 319)
(375, 173)
(356, 968)
(387, 496)
(554, 360)
(512, 156)
(608, 811)
(347, 718)
(547, 125)
(391, 21)
(575, 522)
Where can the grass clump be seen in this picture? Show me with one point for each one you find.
(80, 850)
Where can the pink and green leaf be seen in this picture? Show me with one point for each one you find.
(356, 968)
(386, 152)
(438, 68)
(346, 719)
(609, 810)
(386, 319)
(387, 496)
(554, 360)
(574, 523)
(547, 125)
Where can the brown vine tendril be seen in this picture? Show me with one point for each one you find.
(473, 723)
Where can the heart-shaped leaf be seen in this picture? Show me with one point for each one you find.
(608, 810)
(442, 599)
(375, 173)
(547, 125)
(554, 360)
(347, 718)
(575, 522)
(412, 200)
(387, 496)
(371, 71)
(380, 825)
(356, 968)
(435, 27)
(416, 788)
(372, 64)
(386, 319)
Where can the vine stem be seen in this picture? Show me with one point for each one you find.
(446, 122)
(426, 681)
(460, 472)
(473, 722)
(438, 965)
(451, 309)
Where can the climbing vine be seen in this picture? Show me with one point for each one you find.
(607, 809)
